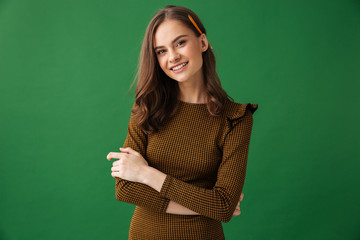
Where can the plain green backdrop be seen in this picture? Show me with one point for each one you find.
(65, 71)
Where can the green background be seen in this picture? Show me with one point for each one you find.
(65, 72)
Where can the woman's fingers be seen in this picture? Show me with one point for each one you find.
(115, 155)
(115, 174)
(130, 150)
(236, 212)
(114, 169)
(237, 209)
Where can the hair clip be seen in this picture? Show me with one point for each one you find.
(196, 26)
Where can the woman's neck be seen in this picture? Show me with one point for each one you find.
(192, 94)
(193, 91)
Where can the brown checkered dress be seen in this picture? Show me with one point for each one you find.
(204, 158)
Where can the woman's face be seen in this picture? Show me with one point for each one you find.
(179, 51)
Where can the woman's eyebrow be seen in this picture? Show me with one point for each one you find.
(180, 36)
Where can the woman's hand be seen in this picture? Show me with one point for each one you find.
(237, 209)
(130, 166)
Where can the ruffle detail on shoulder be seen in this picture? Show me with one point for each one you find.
(240, 112)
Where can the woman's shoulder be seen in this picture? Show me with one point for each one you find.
(235, 113)
(234, 110)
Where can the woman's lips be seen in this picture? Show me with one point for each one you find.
(178, 68)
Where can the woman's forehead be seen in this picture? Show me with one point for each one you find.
(168, 30)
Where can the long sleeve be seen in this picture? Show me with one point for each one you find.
(219, 202)
(138, 193)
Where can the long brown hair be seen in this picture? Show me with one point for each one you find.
(156, 94)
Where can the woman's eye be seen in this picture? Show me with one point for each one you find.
(181, 42)
(160, 52)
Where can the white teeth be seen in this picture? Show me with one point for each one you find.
(178, 67)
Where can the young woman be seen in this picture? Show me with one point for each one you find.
(184, 158)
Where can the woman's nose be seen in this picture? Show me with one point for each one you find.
(174, 56)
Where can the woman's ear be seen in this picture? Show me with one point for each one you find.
(204, 42)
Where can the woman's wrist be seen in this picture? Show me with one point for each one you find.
(153, 178)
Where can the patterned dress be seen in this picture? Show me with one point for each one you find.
(205, 160)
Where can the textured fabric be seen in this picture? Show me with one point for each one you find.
(205, 160)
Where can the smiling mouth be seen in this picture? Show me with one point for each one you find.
(179, 66)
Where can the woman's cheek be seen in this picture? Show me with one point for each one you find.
(163, 65)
